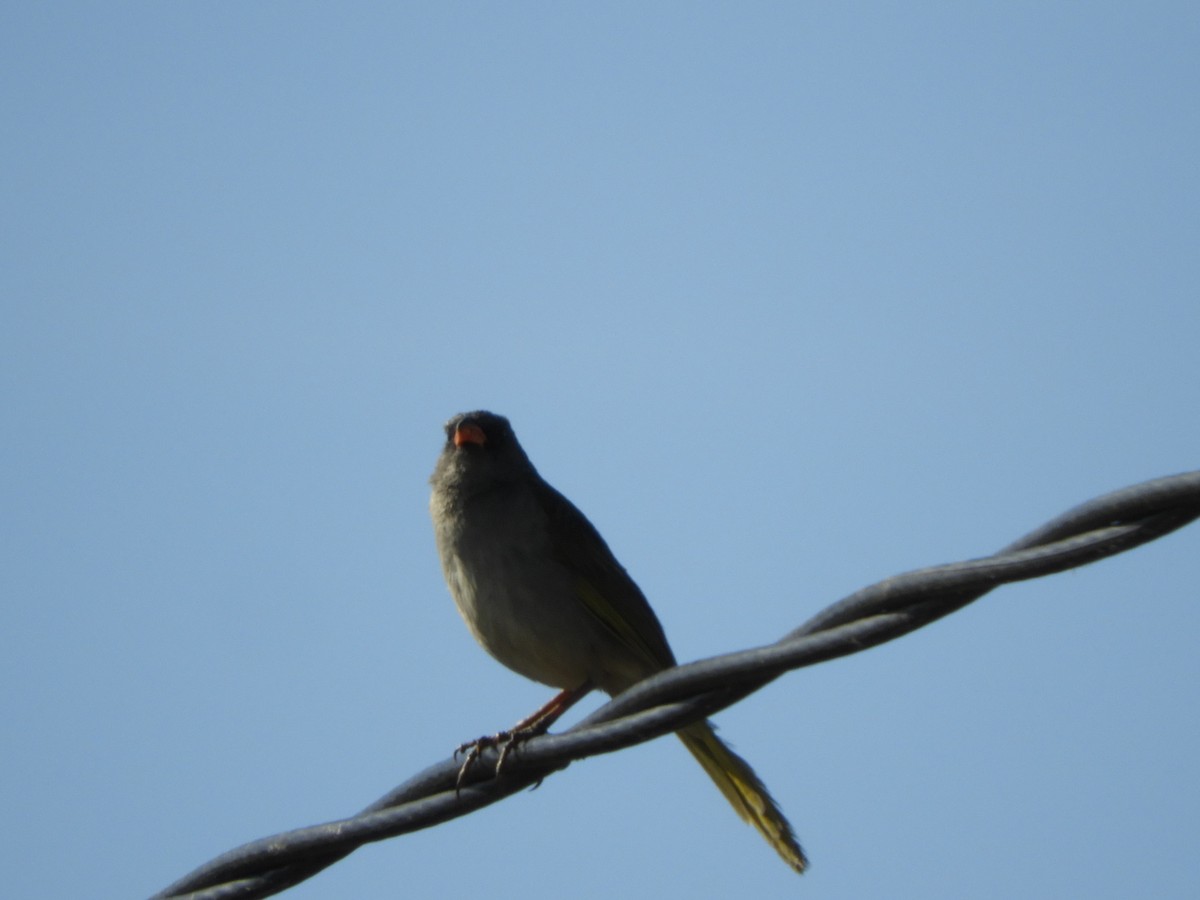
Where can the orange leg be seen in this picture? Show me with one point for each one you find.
(532, 725)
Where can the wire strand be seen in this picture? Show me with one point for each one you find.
(669, 700)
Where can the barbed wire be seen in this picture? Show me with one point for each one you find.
(666, 702)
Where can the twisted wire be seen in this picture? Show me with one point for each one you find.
(666, 702)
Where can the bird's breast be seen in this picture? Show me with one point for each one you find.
(517, 599)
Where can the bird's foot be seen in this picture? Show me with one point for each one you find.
(530, 726)
(505, 740)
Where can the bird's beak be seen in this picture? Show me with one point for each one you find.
(468, 433)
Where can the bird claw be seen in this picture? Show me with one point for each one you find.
(505, 740)
(530, 726)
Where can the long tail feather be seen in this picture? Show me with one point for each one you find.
(745, 792)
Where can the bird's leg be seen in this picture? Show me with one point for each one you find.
(532, 725)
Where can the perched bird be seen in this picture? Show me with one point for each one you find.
(540, 590)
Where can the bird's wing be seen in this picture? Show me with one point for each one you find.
(604, 586)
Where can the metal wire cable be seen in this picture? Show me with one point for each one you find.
(664, 703)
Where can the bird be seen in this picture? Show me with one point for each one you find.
(542, 592)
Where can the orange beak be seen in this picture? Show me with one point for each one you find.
(468, 433)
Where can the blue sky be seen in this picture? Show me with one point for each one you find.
(787, 298)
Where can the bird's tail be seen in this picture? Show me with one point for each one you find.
(744, 791)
